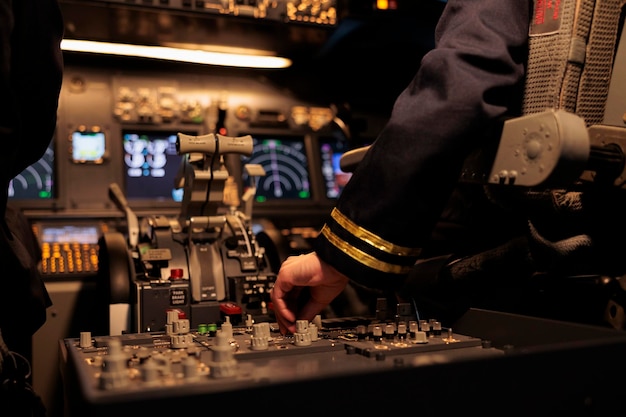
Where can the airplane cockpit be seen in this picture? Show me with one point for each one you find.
(201, 143)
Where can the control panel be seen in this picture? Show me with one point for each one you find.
(491, 361)
(318, 12)
(210, 361)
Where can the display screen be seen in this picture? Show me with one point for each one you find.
(286, 165)
(335, 179)
(37, 182)
(151, 164)
(88, 147)
(70, 234)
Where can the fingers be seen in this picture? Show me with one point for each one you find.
(283, 308)
(291, 302)
(287, 322)
(284, 294)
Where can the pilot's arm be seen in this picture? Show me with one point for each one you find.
(472, 77)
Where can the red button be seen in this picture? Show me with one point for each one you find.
(176, 273)
(230, 308)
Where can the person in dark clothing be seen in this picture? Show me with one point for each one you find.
(392, 207)
(31, 67)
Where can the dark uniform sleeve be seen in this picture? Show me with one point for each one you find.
(469, 81)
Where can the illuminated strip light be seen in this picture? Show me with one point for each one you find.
(177, 54)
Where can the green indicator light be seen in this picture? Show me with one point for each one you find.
(203, 328)
(304, 194)
(261, 199)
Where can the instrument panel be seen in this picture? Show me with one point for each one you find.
(314, 12)
(121, 128)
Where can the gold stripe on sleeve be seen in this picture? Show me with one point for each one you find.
(371, 238)
(362, 257)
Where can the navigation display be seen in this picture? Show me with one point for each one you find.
(286, 165)
(37, 182)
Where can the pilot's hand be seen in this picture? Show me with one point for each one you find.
(304, 286)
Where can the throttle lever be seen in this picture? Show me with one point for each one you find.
(117, 196)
